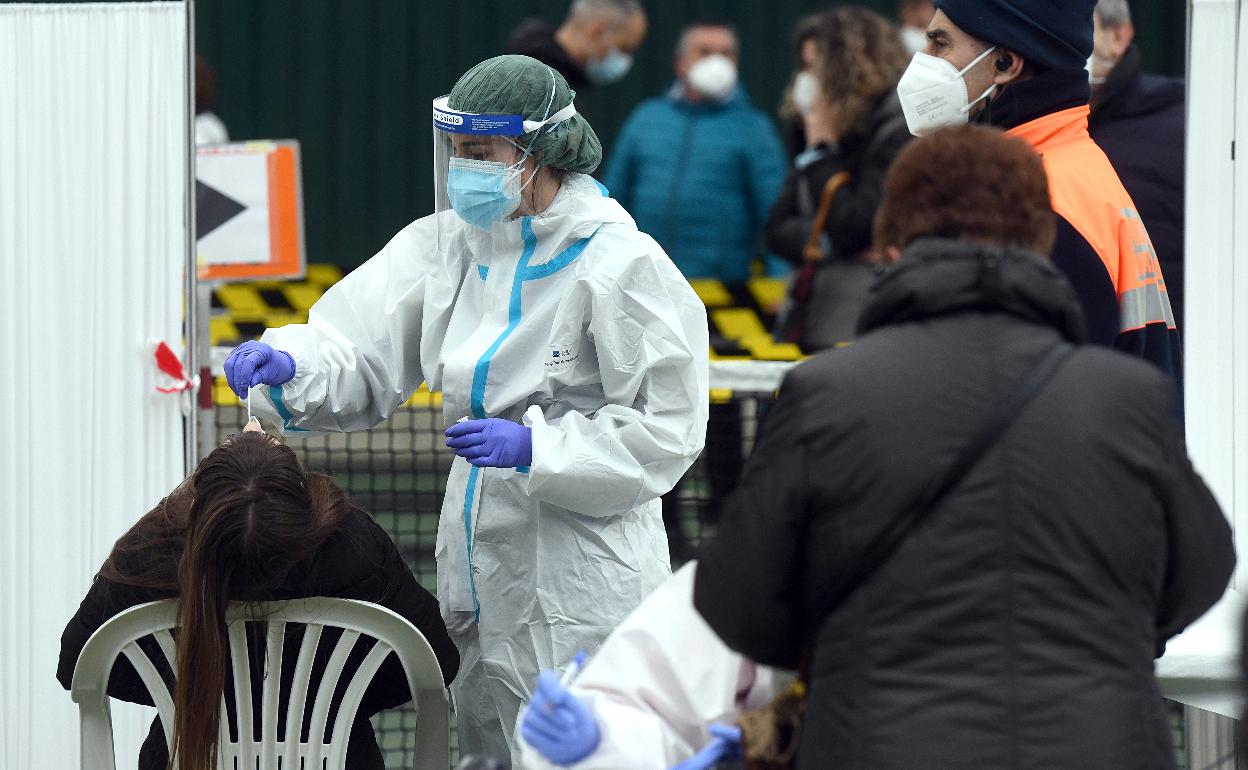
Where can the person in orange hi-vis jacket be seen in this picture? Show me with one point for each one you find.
(1021, 66)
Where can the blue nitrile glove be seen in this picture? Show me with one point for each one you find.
(725, 746)
(492, 443)
(255, 363)
(558, 724)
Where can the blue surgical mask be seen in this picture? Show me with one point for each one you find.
(610, 68)
(483, 192)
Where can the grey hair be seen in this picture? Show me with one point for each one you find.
(620, 9)
(682, 42)
(1113, 13)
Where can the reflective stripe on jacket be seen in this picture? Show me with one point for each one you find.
(1088, 197)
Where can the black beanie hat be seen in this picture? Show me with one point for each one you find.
(1051, 34)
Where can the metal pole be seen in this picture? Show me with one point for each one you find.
(206, 404)
(191, 280)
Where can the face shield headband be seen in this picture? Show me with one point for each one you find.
(484, 192)
(455, 122)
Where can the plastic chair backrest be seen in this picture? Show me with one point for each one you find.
(121, 634)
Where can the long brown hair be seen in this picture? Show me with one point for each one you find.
(861, 58)
(248, 516)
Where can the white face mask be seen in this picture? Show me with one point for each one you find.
(914, 39)
(933, 93)
(713, 76)
(805, 92)
(610, 68)
(1106, 65)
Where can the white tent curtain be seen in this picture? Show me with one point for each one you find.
(93, 157)
(1200, 667)
(1216, 331)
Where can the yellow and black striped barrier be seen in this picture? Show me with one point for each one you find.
(740, 320)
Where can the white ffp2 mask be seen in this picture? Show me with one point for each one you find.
(1105, 65)
(914, 39)
(805, 92)
(933, 93)
(714, 76)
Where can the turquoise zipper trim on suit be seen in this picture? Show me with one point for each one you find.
(524, 272)
(275, 393)
(559, 262)
(481, 374)
(468, 498)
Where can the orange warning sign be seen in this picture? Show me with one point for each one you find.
(249, 211)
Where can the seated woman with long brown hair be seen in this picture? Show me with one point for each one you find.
(250, 524)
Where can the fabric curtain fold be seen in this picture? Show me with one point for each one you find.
(93, 162)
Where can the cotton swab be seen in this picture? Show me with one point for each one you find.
(578, 663)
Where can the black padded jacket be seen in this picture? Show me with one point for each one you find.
(1017, 626)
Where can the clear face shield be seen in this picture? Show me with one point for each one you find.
(484, 168)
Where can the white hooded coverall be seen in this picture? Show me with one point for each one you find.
(574, 323)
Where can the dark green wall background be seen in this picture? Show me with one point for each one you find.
(352, 81)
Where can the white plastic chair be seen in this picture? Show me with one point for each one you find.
(393, 633)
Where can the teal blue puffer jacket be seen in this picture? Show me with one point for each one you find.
(700, 178)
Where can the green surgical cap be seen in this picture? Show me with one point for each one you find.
(521, 85)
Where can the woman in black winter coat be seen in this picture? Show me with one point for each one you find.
(853, 124)
(1017, 624)
(251, 524)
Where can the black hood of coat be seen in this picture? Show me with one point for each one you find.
(938, 277)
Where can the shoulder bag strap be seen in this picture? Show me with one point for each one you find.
(814, 246)
(888, 541)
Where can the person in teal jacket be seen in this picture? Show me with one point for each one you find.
(700, 168)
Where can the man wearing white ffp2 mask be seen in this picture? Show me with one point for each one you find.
(934, 93)
(700, 165)
(594, 46)
(1019, 65)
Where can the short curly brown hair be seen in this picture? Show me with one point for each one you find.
(970, 183)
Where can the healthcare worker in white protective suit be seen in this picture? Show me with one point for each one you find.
(662, 690)
(572, 359)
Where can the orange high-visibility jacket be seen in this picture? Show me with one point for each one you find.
(1102, 246)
